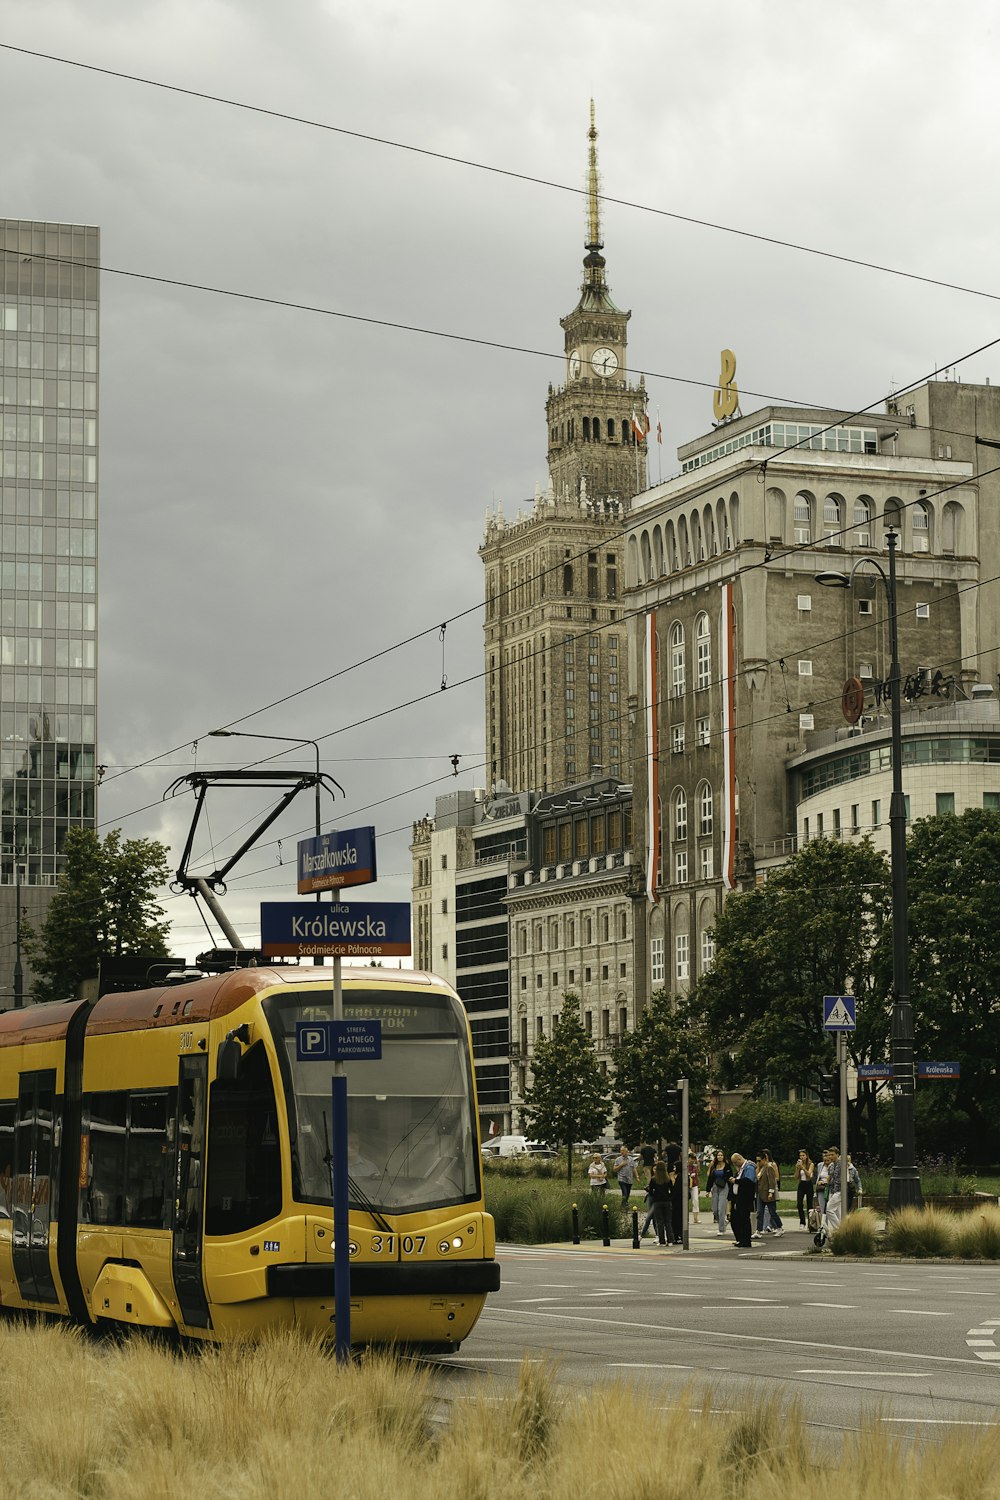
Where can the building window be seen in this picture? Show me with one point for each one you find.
(991, 801)
(444, 905)
(682, 956)
(705, 810)
(702, 732)
(707, 857)
(877, 814)
(588, 1022)
(803, 519)
(677, 660)
(677, 739)
(707, 949)
(681, 867)
(703, 652)
(944, 803)
(855, 817)
(805, 668)
(604, 971)
(656, 969)
(680, 814)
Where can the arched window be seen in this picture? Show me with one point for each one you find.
(703, 652)
(723, 523)
(567, 578)
(705, 810)
(734, 518)
(657, 551)
(671, 547)
(633, 561)
(611, 430)
(682, 542)
(647, 563)
(711, 545)
(833, 518)
(951, 528)
(586, 429)
(697, 550)
(625, 430)
(920, 525)
(680, 814)
(892, 520)
(803, 518)
(677, 683)
(863, 521)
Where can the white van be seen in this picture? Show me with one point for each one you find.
(505, 1145)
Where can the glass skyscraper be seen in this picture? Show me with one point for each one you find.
(49, 306)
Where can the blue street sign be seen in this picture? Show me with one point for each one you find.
(839, 1013)
(338, 1041)
(939, 1070)
(344, 857)
(308, 929)
(874, 1070)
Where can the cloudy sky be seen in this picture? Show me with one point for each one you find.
(287, 492)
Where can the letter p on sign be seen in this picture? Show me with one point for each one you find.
(312, 1041)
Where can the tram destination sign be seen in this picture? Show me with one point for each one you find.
(345, 856)
(307, 929)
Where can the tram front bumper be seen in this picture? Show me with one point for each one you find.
(394, 1279)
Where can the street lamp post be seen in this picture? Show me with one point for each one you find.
(285, 739)
(904, 1182)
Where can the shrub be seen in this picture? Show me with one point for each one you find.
(920, 1232)
(782, 1128)
(857, 1234)
(977, 1233)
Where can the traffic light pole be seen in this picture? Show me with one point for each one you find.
(682, 1084)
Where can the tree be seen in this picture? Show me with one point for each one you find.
(668, 1043)
(953, 868)
(820, 925)
(566, 1102)
(104, 906)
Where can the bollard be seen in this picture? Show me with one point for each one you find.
(635, 1229)
(606, 1217)
(576, 1225)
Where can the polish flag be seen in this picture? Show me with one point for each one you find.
(659, 431)
(640, 426)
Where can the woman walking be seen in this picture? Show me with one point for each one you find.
(805, 1177)
(719, 1175)
(743, 1190)
(662, 1197)
(692, 1173)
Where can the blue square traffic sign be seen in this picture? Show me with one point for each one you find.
(839, 1013)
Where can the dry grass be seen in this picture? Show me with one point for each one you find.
(99, 1421)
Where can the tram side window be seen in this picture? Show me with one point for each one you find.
(244, 1157)
(104, 1193)
(147, 1164)
(128, 1159)
(8, 1113)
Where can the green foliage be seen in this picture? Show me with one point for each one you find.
(668, 1043)
(857, 1234)
(954, 967)
(104, 906)
(920, 1232)
(782, 1128)
(567, 1101)
(818, 926)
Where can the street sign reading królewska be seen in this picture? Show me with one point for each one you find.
(839, 1013)
(939, 1070)
(306, 929)
(343, 857)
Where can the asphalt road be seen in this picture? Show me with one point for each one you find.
(918, 1343)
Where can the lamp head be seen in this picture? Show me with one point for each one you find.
(833, 580)
(220, 734)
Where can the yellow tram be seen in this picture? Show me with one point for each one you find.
(165, 1161)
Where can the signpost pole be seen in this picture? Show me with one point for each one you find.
(341, 1217)
(842, 1046)
(682, 1084)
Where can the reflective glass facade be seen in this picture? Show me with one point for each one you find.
(49, 318)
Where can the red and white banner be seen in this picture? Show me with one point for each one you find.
(640, 426)
(728, 665)
(652, 759)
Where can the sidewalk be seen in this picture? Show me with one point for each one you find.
(704, 1239)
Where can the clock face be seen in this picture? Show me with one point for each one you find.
(574, 365)
(605, 362)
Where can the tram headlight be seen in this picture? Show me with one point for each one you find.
(457, 1242)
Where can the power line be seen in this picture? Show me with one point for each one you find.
(506, 172)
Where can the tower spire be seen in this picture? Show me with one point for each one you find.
(594, 241)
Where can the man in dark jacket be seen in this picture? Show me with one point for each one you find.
(743, 1189)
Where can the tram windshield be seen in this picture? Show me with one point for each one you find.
(411, 1141)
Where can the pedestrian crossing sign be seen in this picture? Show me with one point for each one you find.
(839, 1013)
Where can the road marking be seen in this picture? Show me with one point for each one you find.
(675, 1294)
(559, 1286)
(620, 1365)
(873, 1374)
(844, 1306)
(492, 1312)
(520, 1301)
(919, 1312)
(755, 1306)
(937, 1421)
(749, 1299)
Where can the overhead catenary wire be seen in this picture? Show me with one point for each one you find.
(498, 171)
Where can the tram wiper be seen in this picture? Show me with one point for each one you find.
(357, 1193)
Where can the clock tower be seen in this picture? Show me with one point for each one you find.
(556, 663)
(591, 435)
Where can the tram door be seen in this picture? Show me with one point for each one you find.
(34, 1185)
(189, 1190)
